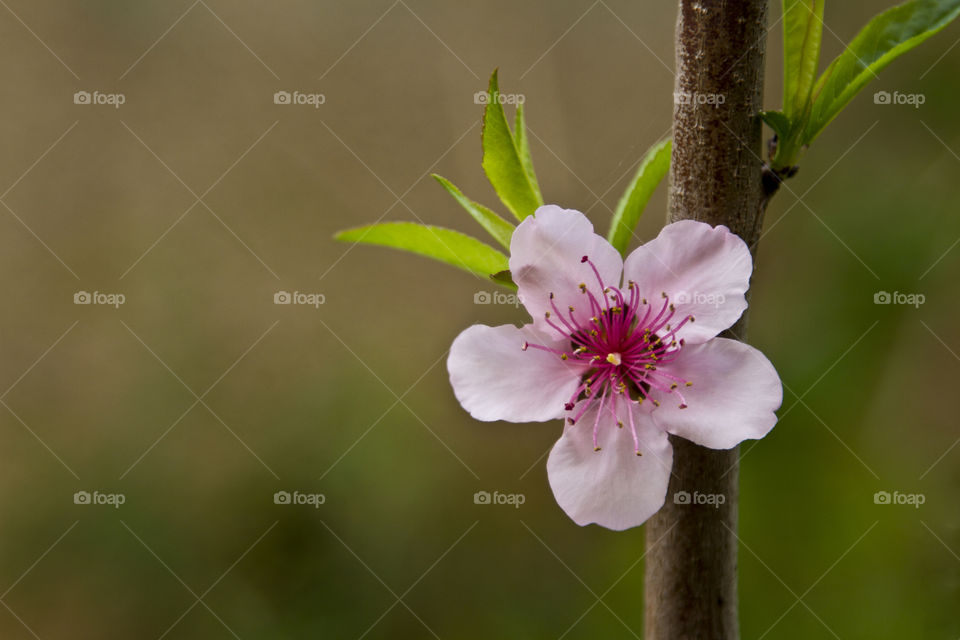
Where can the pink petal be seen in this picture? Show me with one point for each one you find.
(545, 257)
(495, 379)
(613, 487)
(734, 394)
(704, 270)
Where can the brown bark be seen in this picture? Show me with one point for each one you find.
(715, 176)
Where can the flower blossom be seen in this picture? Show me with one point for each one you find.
(625, 352)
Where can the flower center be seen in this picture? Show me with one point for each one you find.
(622, 348)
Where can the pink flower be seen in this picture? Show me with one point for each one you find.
(624, 363)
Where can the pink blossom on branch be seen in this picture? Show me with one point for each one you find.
(625, 352)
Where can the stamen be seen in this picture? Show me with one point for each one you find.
(623, 346)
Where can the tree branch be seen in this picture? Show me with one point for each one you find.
(716, 177)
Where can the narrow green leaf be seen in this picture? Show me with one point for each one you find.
(778, 121)
(886, 37)
(653, 168)
(502, 161)
(500, 229)
(441, 244)
(788, 138)
(802, 33)
(523, 145)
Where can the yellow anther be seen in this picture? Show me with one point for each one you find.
(614, 358)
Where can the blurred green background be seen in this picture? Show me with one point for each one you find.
(199, 398)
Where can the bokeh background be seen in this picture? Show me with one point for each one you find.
(199, 398)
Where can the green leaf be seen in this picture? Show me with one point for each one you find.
(500, 229)
(502, 161)
(802, 33)
(653, 168)
(778, 121)
(441, 244)
(886, 37)
(788, 138)
(523, 145)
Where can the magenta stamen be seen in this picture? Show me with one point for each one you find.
(621, 350)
